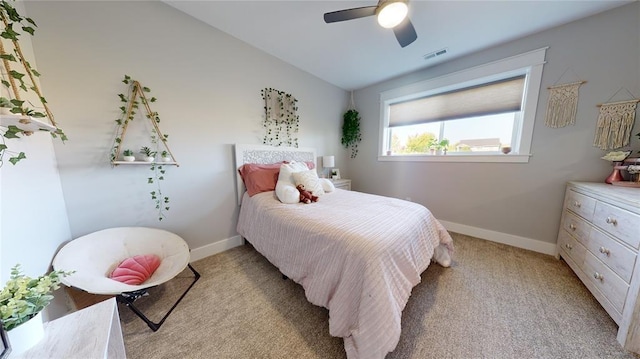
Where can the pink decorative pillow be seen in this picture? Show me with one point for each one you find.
(259, 178)
(136, 270)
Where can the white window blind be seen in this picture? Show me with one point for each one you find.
(486, 99)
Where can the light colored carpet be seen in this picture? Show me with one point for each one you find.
(495, 301)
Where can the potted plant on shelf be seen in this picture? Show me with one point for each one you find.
(128, 156)
(21, 303)
(165, 156)
(149, 155)
(438, 147)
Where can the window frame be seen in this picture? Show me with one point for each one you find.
(529, 64)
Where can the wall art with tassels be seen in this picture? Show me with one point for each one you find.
(615, 122)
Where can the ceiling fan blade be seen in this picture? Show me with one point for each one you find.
(405, 32)
(349, 14)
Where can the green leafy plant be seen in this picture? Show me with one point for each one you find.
(147, 151)
(23, 297)
(442, 145)
(351, 136)
(18, 83)
(127, 153)
(164, 154)
(130, 104)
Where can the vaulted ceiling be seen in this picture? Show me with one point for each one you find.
(358, 53)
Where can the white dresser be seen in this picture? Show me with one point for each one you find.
(599, 238)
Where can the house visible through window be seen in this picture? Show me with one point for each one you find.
(484, 114)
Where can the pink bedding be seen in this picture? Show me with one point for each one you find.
(356, 254)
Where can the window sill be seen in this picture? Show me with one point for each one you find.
(500, 158)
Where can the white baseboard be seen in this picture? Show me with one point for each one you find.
(215, 248)
(504, 238)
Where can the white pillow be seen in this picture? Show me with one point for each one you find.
(327, 185)
(285, 187)
(309, 179)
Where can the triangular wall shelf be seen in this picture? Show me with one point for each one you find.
(137, 91)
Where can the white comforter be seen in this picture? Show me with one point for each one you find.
(359, 255)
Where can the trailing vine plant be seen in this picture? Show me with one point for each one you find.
(351, 131)
(16, 83)
(281, 121)
(131, 102)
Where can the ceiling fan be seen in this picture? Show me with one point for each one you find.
(391, 14)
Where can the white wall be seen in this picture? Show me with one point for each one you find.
(517, 203)
(208, 88)
(33, 217)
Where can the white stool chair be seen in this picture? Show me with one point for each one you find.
(94, 256)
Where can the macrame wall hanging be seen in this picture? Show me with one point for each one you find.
(281, 120)
(615, 123)
(563, 105)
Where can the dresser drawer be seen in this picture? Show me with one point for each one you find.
(580, 204)
(612, 286)
(577, 227)
(618, 222)
(571, 247)
(616, 256)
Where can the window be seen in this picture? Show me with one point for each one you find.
(475, 115)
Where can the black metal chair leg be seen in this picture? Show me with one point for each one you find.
(129, 297)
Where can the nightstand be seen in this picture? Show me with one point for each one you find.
(342, 184)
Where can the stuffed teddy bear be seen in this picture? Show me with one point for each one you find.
(306, 196)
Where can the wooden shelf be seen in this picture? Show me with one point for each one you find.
(116, 163)
(26, 123)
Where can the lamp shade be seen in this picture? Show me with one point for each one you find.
(328, 161)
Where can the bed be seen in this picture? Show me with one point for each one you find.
(356, 254)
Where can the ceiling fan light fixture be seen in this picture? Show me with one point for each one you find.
(391, 14)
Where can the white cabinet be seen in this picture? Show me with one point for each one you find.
(599, 238)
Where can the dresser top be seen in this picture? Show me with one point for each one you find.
(627, 195)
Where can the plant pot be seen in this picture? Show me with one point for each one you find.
(26, 335)
(166, 159)
(129, 158)
(149, 159)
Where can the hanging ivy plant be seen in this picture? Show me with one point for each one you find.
(281, 121)
(351, 131)
(18, 82)
(128, 110)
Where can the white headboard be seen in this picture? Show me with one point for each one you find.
(264, 154)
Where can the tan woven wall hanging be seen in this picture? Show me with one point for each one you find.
(615, 123)
(563, 105)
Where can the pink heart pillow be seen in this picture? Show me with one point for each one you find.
(136, 270)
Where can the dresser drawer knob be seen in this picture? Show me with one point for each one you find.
(612, 221)
(577, 204)
(598, 276)
(568, 246)
(573, 227)
(604, 250)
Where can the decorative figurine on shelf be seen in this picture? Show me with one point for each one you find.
(616, 158)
